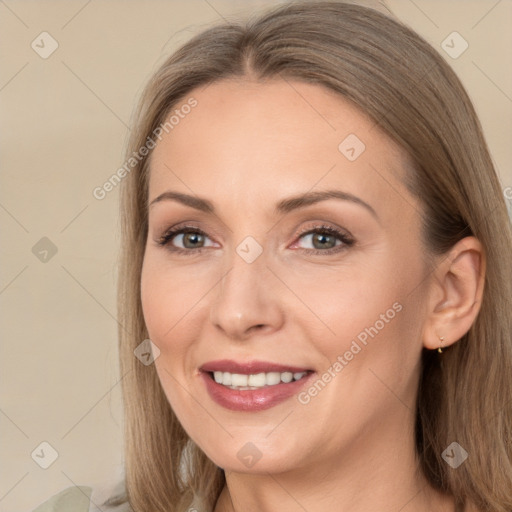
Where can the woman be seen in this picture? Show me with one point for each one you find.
(315, 283)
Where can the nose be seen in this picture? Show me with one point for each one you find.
(247, 300)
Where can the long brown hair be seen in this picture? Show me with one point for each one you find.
(412, 95)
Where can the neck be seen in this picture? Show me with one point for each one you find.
(378, 471)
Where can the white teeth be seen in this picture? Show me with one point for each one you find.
(239, 380)
(273, 378)
(255, 381)
(287, 376)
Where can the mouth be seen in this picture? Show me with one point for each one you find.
(242, 382)
(252, 375)
(254, 386)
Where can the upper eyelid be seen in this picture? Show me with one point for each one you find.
(318, 226)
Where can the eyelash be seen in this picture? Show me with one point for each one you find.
(346, 240)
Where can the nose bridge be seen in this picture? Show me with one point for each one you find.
(243, 297)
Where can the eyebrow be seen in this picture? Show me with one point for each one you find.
(284, 206)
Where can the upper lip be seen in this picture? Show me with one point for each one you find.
(249, 367)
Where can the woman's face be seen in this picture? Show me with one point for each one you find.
(334, 287)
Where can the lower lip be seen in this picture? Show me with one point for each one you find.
(252, 400)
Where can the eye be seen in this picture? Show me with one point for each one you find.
(191, 238)
(325, 239)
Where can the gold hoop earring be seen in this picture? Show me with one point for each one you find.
(440, 350)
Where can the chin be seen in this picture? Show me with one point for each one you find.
(251, 457)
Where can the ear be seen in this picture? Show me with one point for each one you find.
(455, 293)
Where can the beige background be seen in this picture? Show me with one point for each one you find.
(64, 122)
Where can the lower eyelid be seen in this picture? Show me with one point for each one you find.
(176, 234)
(345, 239)
(303, 237)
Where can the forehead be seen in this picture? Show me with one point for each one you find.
(248, 140)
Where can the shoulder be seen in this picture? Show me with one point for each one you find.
(76, 498)
(87, 499)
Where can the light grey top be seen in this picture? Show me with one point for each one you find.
(84, 499)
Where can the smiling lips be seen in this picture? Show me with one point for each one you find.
(252, 386)
(249, 368)
(255, 381)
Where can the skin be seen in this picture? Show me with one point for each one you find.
(246, 146)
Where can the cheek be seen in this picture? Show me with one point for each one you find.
(160, 303)
(350, 298)
(155, 301)
(167, 298)
(172, 300)
(365, 312)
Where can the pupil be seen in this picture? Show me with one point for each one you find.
(323, 237)
(192, 235)
(320, 237)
